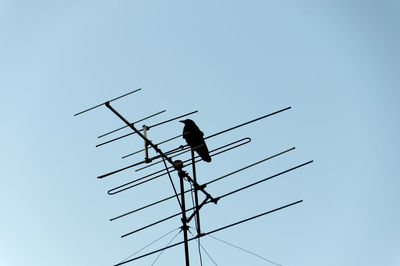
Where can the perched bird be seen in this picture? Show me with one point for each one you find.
(194, 138)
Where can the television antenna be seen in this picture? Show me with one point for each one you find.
(170, 165)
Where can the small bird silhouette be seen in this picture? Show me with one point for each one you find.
(194, 138)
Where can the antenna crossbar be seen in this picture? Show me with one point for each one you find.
(119, 97)
(248, 122)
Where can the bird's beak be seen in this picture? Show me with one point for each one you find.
(182, 121)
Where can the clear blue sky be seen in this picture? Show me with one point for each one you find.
(336, 63)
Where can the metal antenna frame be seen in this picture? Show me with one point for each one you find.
(183, 175)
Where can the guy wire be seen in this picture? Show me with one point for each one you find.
(150, 244)
(242, 249)
(205, 251)
(164, 249)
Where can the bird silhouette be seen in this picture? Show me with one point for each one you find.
(194, 138)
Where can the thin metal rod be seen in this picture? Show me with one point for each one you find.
(176, 152)
(173, 185)
(91, 108)
(159, 151)
(196, 196)
(263, 180)
(225, 195)
(197, 210)
(212, 181)
(126, 135)
(129, 166)
(246, 123)
(184, 227)
(112, 140)
(162, 142)
(172, 119)
(213, 231)
(254, 217)
(146, 147)
(249, 166)
(124, 187)
(140, 120)
(121, 169)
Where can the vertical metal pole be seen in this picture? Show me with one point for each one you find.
(196, 198)
(185, 227)
(146, 150)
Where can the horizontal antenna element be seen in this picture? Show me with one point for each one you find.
(162, 142)
(140, 120)
(119, 97)
(246, 123)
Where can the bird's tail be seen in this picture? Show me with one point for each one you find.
(204, 153)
